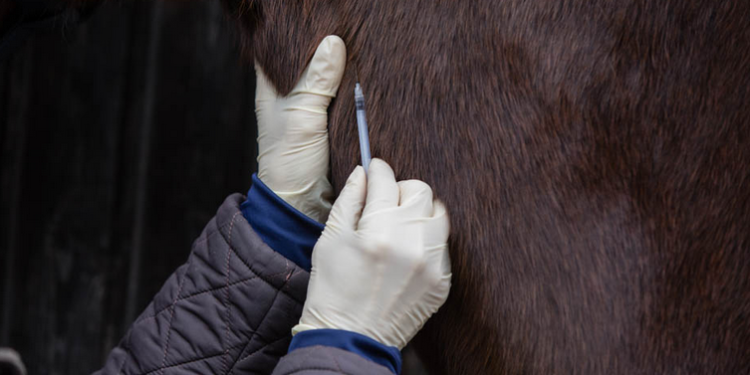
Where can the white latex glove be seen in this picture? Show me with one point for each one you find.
(293, 132)
(385, 273)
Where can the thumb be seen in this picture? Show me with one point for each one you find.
(264, 91)
(323, 75)
(347, 209)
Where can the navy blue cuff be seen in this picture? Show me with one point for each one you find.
(388, 356)
(283, 228)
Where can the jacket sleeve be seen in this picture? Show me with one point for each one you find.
(321, 360)
(228, 310)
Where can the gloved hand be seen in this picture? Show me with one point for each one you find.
(381, 271)
(293, 132)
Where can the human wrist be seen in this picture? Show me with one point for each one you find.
(312, 197)
(369, 328)
(353, 342)
(282, 227)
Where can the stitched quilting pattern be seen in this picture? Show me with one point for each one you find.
(229, 309)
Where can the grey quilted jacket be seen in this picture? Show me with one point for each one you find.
(228, 310)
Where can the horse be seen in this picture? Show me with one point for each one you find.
(594, 157)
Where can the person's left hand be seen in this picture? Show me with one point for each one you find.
(293, 132)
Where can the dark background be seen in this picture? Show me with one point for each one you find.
(119, 139)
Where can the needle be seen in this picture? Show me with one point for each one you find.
(364, 137)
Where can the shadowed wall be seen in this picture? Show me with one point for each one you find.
(120, 137)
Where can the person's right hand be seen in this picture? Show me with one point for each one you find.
(381, 267)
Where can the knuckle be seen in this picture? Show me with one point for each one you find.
(415, 258)
(415, 192)
(420, 265)
(417, 186)
(377, 246)
(382, 245)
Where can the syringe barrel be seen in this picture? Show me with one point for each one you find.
(364, 137)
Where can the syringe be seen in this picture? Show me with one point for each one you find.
(364, 137)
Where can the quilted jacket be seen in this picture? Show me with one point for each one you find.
(229, 310)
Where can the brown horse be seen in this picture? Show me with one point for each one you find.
(594, 156)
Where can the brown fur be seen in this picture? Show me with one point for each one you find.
(594, 156)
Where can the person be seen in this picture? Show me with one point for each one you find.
(378, 269)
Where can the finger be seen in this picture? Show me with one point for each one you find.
(348, 207)
(323, 75)
(382, 190)
(264, 91)
(437, 228)
(440, 233)
(416, 196)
